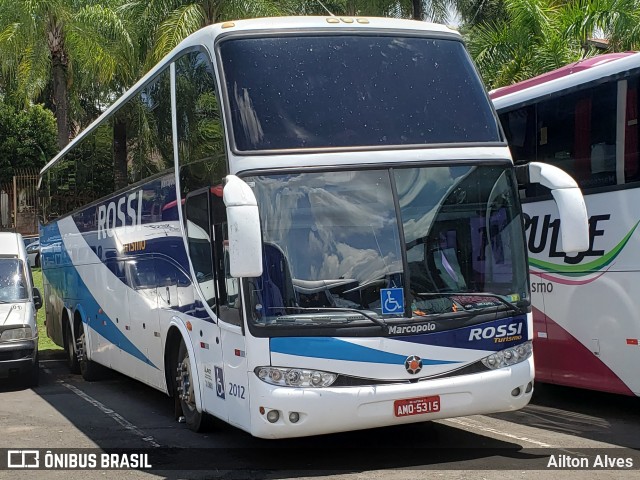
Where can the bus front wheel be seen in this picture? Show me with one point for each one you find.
(184, 394)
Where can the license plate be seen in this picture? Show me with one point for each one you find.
(416, 406)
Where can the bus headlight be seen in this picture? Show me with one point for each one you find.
(18, 333)
(509, 356)
(295, 377)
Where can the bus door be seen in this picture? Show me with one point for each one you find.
(109, 353)
(207, 344)
(228, 311)
(143, 329)
(234, 343)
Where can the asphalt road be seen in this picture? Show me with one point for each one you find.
(560, 424)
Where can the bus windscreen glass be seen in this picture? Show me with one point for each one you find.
(352, 91)
(332, 242)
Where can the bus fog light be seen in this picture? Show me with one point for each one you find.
(529, 387)
(294, 417)
(515, 392)
(273, 416)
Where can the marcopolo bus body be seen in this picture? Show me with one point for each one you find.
(299, 226)
(583, 118)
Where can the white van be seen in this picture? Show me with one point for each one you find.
(19, 301)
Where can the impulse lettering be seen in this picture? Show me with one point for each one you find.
(113, 215)
(543, 235)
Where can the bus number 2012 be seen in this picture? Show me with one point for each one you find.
(236, 390)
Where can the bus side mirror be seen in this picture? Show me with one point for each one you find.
(243, 220)
(574, 222)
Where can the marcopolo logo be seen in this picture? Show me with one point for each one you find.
(500, 334)
(124, 212)
(400, 329)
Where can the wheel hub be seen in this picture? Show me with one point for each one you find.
(184, 387)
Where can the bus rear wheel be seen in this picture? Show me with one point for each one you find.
(184, 395)
(72, 358)
(90, 370)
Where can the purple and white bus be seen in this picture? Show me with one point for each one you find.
(583, 118)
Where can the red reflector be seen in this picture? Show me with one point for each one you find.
(237, 352)
(632, 341)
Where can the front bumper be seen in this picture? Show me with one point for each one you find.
(17, 357)
(339, 409)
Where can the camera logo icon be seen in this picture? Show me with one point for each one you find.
(23, 459)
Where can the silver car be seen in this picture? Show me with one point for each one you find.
(33, 254)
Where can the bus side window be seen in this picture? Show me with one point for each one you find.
(631, 137)
(117, 268)
(230, 307)
(200, 245)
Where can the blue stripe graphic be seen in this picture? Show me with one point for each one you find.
(335, 349)
(62, 278)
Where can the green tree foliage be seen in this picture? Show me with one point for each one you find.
(532, 37)
(46, 44)
(27, 139)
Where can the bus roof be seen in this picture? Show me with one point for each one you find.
(582, 71)
(208, 34)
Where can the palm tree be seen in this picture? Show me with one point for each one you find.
(173, 20)
(53, 42)
(167, 22)
(529, 41)
(536, 36)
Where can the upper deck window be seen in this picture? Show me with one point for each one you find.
(353, 91)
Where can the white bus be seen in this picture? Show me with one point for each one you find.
(583, 118)
(300, 226)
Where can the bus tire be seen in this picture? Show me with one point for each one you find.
(72, 358)
(89, 370)
(184, 395)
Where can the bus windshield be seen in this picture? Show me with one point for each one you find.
(12, 283)
(288, 92)
(333, 241)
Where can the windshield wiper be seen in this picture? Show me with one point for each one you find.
(377, 321)
(450, 296)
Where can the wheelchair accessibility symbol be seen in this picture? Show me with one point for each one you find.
(391, 300)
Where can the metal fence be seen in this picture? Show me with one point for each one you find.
(19, 203)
